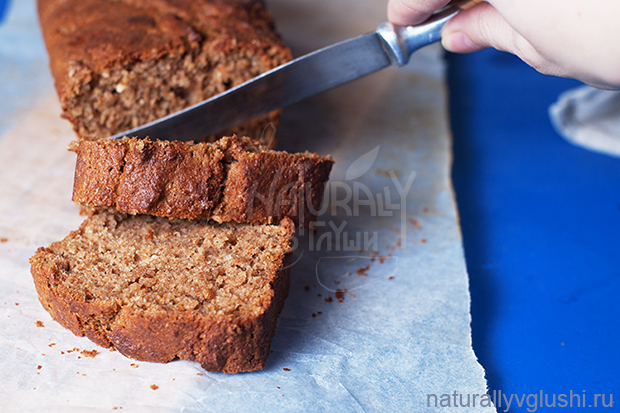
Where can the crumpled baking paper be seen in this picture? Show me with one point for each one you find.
(589, 118)
(378, 313)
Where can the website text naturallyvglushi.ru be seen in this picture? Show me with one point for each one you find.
(533, 401)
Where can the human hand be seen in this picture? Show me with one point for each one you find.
(568, 38)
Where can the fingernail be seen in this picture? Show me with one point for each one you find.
(458, 42)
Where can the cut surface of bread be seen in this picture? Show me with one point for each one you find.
(158, 289)
(231, 180)
(118, 64)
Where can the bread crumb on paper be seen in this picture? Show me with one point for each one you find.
(89, 353)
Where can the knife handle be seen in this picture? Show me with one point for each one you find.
(401, 41)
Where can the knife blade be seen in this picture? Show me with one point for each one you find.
(300, 78)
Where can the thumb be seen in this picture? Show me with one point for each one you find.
(483, 26)
(480, 27)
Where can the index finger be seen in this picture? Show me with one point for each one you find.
(408, 12)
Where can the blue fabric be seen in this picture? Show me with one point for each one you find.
(541, 229)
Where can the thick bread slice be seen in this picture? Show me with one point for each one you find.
(159, 289)
(119, 64)
(230, 180)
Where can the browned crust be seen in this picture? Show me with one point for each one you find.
(88, 39)
(232, 180)
(218, 342)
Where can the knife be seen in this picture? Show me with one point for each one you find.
(300, 78)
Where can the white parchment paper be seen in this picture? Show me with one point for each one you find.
(378, 313)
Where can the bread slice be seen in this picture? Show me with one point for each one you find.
(230, 180)
(158, 289)
(119, 64)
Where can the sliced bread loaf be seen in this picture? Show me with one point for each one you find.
(119, 64)
(230, 180)
(159, 289)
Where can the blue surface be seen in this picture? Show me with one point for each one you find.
(541, 229)
(4, 5)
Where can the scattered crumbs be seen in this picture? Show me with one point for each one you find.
(154, 386)
(3, 240)
(79, 357)
(391, 277)
(52, 345)
(42, 354)
(425, 210)
(389, 255)
(286, 369)
(278, 387)
(399, 242)
(352, 295)
(198, 374)
(319, 312)
(313, 314)
(113, 349)
(16, 303)
(73, 349)
(282, 395)
(83, 374)
(307, 288)
(134, 365)
(423, 240)
(339, 295)
(320, 295)
(173, 379)
(336, 282)
(415, 223)
(372, 259)
(329, 299)
(39, 323)
(113, 369)
(381, 259)
(62, 352)
(39, 367)
(362, 271)
(89, 353)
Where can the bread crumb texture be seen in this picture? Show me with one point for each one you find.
(158, 289)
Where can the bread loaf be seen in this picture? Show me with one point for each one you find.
(158, 289)
(119, 64)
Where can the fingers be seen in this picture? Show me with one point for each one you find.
(483, 26)
(409, 12)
